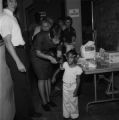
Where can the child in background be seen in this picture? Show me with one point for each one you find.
(71, 82)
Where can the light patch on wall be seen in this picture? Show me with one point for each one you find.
(73, 12)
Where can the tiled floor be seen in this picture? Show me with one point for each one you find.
(101, 111)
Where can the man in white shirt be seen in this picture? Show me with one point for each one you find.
(12, 33)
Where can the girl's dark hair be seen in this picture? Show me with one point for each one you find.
(55, 31)
(5, 4)
(73, 52)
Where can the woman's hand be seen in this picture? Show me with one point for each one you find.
(59, 53)
(52, 60)
(53, 79)
(54, 75)
(21, 67)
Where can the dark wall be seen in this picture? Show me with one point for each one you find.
(53, 9)
(86, 20)
(106, 16)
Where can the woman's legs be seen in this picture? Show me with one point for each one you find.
(42, 91)
(48, 89)
(48, 92)
(41, 87)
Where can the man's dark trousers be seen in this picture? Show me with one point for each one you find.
(22, 93)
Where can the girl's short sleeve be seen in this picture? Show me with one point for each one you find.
(64, 65)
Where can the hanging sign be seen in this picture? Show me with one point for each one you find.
(74, 12)
(42, 13)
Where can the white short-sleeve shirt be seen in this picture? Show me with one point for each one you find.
(9, 25)
(5, 27)
(70, 73)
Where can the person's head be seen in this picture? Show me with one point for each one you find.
(50, 21)
(55, 33)
(71, 57)
(10, 4)
(45, 25)
(61, 23)
(68, 21)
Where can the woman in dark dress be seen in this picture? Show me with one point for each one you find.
(43, 59)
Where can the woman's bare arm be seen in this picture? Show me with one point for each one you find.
(45, 56)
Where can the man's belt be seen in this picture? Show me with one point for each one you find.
(20, 46)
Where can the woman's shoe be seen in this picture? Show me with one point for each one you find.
(46, 107)
(52, 104)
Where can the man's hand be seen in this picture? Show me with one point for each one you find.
(21, 67)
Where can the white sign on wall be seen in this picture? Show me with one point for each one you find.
(42, 13)
(74, 12)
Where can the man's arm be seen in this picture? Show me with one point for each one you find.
(12, 52)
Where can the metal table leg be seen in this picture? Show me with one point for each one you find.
(110, 89)
(95, 92)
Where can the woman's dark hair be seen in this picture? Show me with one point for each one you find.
(45, 20)
(5, 4)
(55, 31)
(60, 19)
(68, 18)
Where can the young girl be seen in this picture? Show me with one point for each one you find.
(71, 81)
